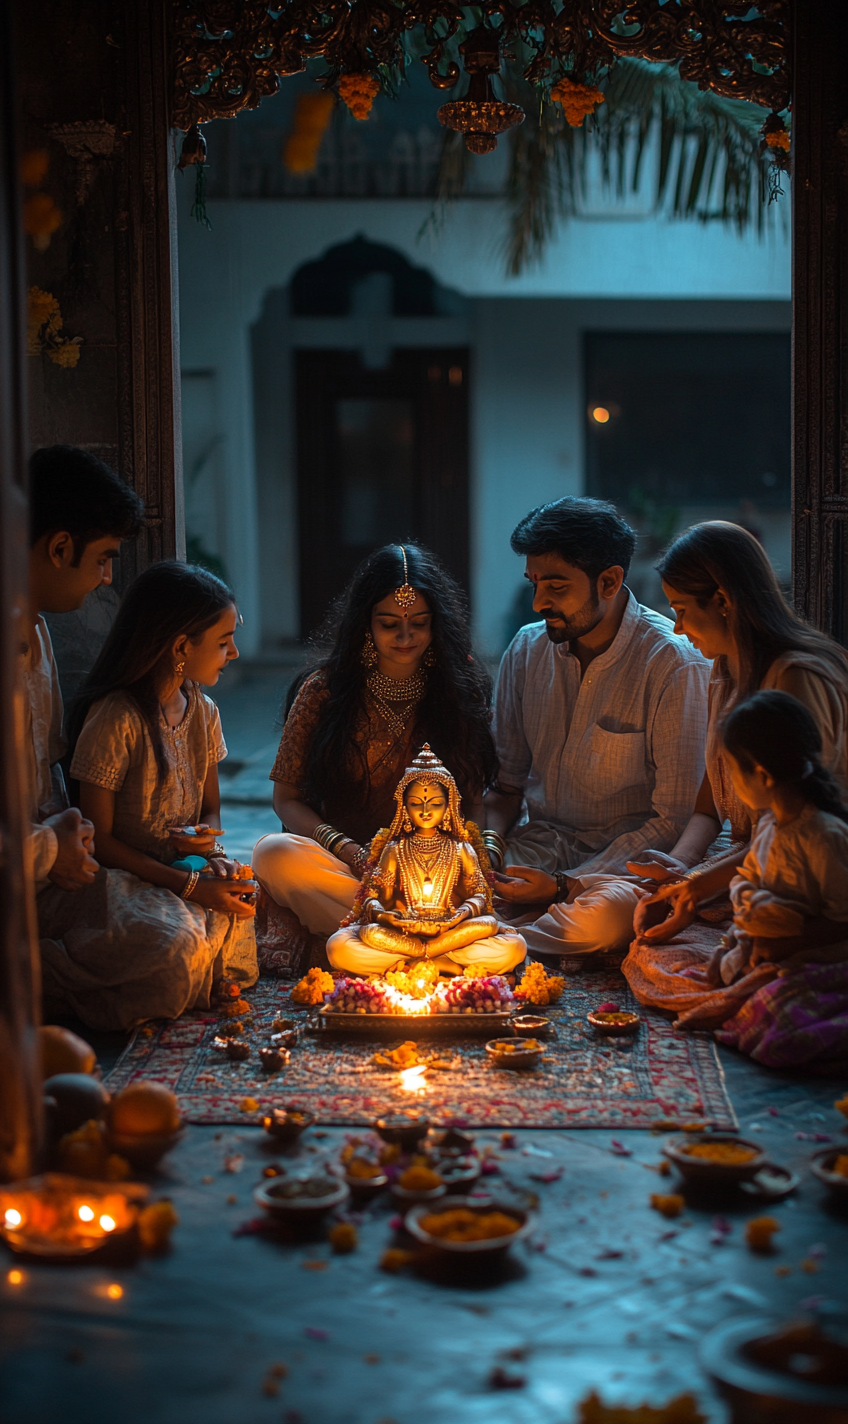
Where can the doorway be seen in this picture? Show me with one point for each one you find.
(382, 457)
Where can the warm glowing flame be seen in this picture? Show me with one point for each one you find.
(412, 1079)
(108, 1223)
(600, 414)
(85, 1213)
(427, 888)
(15, 1278)
(13, 1217)
(114, 1291)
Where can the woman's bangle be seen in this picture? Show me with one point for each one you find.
(329, 839)
(496, 848)
(191, 881)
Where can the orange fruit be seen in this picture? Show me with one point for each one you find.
(63, 1052)
(144, 1109)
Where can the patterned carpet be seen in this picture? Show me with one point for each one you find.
(585, 1080)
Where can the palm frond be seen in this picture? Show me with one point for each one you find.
(709, 161)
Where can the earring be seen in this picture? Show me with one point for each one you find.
(179, 669)
(368, 656)
(406, 824)
(429, 658)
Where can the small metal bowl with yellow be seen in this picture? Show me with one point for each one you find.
(515, 1053)
(714, 1157)
(469, 1226)
(614, 1022)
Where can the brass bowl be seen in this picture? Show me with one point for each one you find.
(364, 1188)
(144, 1150)
(288, 1198)
(408, 1196)
(504, 1054)
(821, 1166)
(493, 1246)
(280, 1123)
(530, 1025)
(703, 1170)
(612, 1024)
(403, 1130)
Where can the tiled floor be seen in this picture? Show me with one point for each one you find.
(607, 1295)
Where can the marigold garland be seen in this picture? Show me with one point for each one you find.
(359, 91)
(577, 100)
(311, 116)
(44, 323)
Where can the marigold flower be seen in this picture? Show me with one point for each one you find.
(577, 100)
(343, 1238)
(841, 1105)
(311, 116)
(34, 165)
(67, 354)
(780, 139)
(359, 91)
(668, 1205)
(395, 1260)
(155, 1224)
(759, 1231)
(41, 219)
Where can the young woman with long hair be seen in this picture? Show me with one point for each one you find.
(145, 747)
(727, 601)
(399, 672)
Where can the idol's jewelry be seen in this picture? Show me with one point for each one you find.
(368, 656)
(405, 596)
(496, 847)
(406, 824)
(191, 880)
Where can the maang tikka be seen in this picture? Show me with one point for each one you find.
(405, 595)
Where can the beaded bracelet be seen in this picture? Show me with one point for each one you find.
(191, 881)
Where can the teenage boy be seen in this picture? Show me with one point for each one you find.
(79, 512)
(600, 724)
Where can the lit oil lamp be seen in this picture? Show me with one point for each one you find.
(60, 1215)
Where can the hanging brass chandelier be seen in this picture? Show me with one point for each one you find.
(230, 54)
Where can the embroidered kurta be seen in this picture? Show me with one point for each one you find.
(115, 751)
(610, 764)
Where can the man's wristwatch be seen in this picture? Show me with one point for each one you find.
(562, 886)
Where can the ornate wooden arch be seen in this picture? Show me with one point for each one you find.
(230, 54)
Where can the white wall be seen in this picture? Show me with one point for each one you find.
(606, 271)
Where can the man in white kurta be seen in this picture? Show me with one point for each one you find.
(600, 726)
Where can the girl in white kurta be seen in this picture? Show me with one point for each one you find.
(150, 938)
(778, 984)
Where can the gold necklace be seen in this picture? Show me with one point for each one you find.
(387, 690)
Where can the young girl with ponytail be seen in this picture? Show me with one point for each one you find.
(778, 983)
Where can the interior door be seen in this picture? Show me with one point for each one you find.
(382, 457)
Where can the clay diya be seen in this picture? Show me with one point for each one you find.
(507, 1053)
(614, 1022)
(301, 1199)
(530, 1025)
(403, 1130)
(823, 1165)
(286, 1124)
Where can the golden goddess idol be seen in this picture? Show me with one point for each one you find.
(424, 894)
